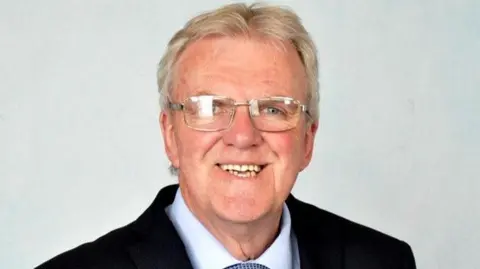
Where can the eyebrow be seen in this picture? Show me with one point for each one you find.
(205, 92)
(262, 94)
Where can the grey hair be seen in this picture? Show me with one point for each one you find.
(275, 22)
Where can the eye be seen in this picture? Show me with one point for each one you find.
(219, 106)
(272, 110)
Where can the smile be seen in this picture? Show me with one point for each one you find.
(242, 170)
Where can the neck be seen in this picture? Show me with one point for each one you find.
(244, 241)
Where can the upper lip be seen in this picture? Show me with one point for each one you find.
(243, 162)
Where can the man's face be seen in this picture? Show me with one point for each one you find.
(241, 69)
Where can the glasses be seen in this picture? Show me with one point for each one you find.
(212, 113)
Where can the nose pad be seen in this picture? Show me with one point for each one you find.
(253, 109)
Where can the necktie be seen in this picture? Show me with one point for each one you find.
(247, 265)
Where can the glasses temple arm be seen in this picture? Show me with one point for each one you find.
(174, 106)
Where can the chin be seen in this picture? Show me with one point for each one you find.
(241, 209)
(242, 200)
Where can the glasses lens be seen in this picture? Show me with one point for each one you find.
(208, 112)
(275, 114)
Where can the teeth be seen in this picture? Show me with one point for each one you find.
(242, 170)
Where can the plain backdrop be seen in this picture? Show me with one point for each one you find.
(398, 146)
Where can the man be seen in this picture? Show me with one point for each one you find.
(239, 98)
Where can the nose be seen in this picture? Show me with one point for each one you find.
(242, 134)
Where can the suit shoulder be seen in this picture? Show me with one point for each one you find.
(105, 252)
(321, 218)
(358, 242)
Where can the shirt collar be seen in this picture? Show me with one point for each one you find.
(206, 252)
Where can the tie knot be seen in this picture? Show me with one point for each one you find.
(247, 265)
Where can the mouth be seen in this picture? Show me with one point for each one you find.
(242, 170)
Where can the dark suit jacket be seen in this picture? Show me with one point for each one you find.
(325, 241)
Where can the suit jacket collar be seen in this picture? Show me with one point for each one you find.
(319, 239)
(160, 246)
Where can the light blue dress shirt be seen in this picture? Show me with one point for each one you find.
(206, 252)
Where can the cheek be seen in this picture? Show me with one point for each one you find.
(288, 151)
(195, 146)
(286, 146)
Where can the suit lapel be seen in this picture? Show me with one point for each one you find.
(159, 244)
(319, 240)
(155, 255)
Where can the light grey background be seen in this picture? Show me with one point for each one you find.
(81, 151)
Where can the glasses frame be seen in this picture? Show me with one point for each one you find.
(181, 107)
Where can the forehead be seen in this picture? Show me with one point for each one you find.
(241, 68)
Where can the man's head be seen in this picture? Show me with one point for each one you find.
(238, 162)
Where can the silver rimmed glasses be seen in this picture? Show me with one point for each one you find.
(212, 113)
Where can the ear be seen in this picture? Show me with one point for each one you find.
(168, 132)
(312, 128)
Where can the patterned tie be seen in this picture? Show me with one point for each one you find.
(247, 265)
